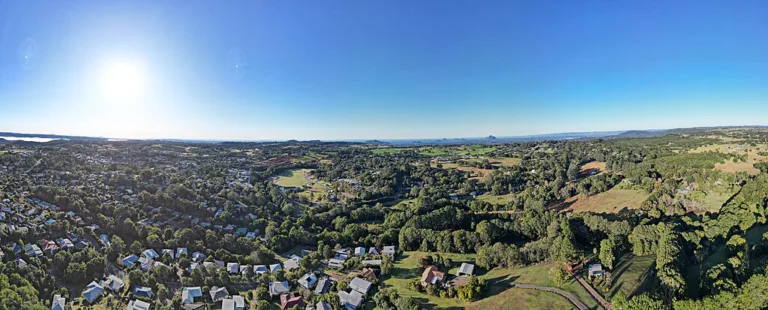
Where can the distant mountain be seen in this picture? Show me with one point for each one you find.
(377, 142)
(491, 137)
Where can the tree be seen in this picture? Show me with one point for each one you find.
(607, 253)
(558, 275)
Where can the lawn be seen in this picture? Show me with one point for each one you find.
(632, 275)
(522, 299)
(295, 177)
(611, 201)
(715, 200)
(500, 293)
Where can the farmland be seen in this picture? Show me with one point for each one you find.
(612, 201)
(750, 153)
(632, 275)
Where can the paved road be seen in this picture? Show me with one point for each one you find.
(575, 301)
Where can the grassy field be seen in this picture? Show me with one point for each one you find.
(463, 150)
(522, 299)
(497, 200)
(295, 177)
(596, 166)
(738, 149)
(611, 201)
(475, 173)
(715, 200)
(632, 275)
(500, 293)
(389, 150)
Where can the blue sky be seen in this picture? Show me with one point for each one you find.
(291, 69)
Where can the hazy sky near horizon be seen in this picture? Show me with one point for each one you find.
(288, 69)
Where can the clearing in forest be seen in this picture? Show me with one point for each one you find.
(293, 177)
(611, 201)
(752, 156)
(594, 166)
(632, 275)
(500, 294)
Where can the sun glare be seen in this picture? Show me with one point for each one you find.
(123, 81)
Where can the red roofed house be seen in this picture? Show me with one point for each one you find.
(291, 300)
(432, 275)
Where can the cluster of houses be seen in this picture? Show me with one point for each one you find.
(433, 276)
(191, 298)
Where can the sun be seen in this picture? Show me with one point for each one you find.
(123, 81)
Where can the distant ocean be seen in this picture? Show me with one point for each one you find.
(28, 139)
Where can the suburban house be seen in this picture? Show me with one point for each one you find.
(130, 260)
(359, 251)
(274, 268)
(373, 251)
(432, 275)
(466, 270)
(277, 288)
(291, 300)
(369, 274)
(350, 300)
(138, 305)
(104, 240)
(233, 268)
(321, 305)
(197, 257)
(150, 253)
(244, 269)
(167, 251)
(65, 244)
(360, 285)
(323, 286)
(142, 291)
(92, 292)
(335, 263)
(114, 283)
(595, 270)
(388, 251)
(308, 280)
(58, 303)
(49, 246)
(180, 251)
(291, 264)
(33, 250)
(218, 293)
(237, 302)
(188, 294)
(259, 269)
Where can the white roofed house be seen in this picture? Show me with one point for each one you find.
(138, 305)
(233, 268)
(150, 253)
(275, 267)
(114, 283)
(335, 263)
(291, 264)
(359, 251)
(308, 280)
(259, 269)
(188, 294)
(218, 293)
(595, 270)
(350, 300)
(104, 240)
(277, 288)
(58, 303)
(388, 251)
(237, 302)
(167, 251)
(360, 285)
(466, 270)
(128, 261)
(198, 257)
(180, 251)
